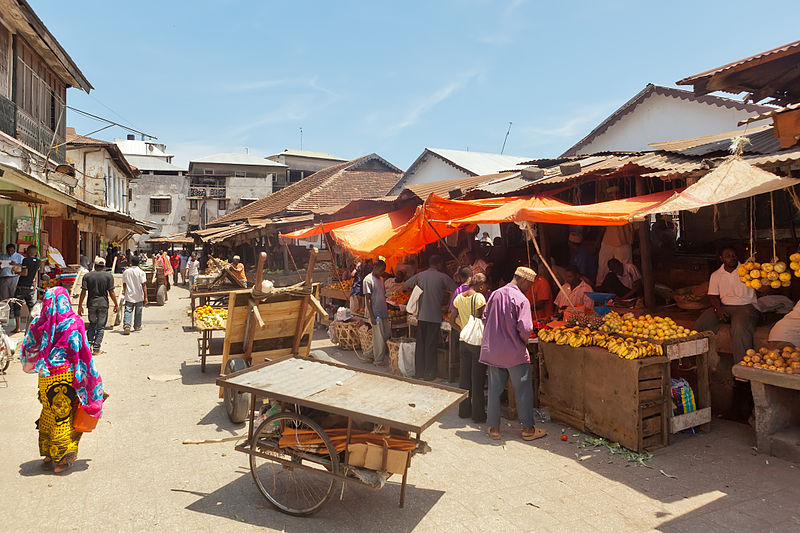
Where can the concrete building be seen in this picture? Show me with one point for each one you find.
(225, 182)
(302, 163)
(438, 164)
(159, 195)
(661, 114)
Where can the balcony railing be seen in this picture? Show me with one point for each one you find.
(31, 132)
(206, 192)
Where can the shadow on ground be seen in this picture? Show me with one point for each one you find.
(359, 510)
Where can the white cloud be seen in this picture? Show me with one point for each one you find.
(509, 23)
(294, 110)
(412, 115)
(260, 85)
(579, 122)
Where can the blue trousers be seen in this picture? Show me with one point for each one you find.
(520, 376)
(135, 309)
(96, 326)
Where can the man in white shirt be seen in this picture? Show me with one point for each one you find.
(731, 302)
(192, 269)
(134, 289)
(575, 288)
(9, 278)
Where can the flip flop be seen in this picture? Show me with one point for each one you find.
(494, 433)
(537, 433)
(47, 463)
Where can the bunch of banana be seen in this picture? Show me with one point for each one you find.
(629, 348)
(574, 336)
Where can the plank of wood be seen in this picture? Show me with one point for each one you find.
(689, 420)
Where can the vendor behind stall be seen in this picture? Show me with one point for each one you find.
(622, 279)
(540, 296)
(574, 290)
(237, 269)
(787, 329)
(731, 302)
(434, 284)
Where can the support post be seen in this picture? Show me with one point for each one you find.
(648, 283)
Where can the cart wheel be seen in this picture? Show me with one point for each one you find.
(295, 479)
(161, 294)
(237, 404)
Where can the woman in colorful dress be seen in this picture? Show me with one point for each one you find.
(55, 347)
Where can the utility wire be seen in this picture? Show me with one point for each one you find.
(111, 122)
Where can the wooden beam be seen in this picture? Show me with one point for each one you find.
(648, 282)
(308, 284)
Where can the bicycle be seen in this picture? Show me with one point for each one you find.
(6, 348)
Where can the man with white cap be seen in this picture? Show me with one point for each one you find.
(508, 326)
(99, 285)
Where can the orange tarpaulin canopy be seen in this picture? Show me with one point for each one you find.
(323, 227)
(611, 213)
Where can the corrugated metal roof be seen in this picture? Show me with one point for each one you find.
(306, 153)
(671, 92)
(768, 114)
(238, 159)
(479, 163)
(338, 389)
(747, 62)
(762, 141)
(442, 188)
(786, 156)
(144, 163)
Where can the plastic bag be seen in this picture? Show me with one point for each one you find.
(405, 358)
(412, 306)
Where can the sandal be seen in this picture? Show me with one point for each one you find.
(47, 463)
(64, 464)
(533, 433)
(494, 433)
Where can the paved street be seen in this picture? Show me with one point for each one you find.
(134, 474)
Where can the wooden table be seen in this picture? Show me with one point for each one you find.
(204, 348)
(777, 410)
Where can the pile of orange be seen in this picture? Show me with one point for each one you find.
(785, 360)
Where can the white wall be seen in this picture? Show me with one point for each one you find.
(176, 187)
(433, 169)
(664, 118)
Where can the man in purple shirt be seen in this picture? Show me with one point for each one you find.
(508, 326)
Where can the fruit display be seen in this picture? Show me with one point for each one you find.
(215, 266)
(775, 274)
(211, 317)
(584, 320)
(794, 264)
(785, 360)
(625, 348)
(345, 285)
(399, 297)
(644, 326)
(396, 315)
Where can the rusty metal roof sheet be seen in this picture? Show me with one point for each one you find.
(777, 159)
(761, 141)
(379, 398)
(772, 113)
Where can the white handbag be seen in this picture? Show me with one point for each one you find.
(472, 333)
(412, 306)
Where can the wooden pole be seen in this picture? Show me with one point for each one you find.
(301, 318)
(250, 327)
(645, 247)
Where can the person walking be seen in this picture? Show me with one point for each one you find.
(55, 347)
(434, 284)
(9, 278)
(182, 266)
(508, 326)
(31, 266)
(99, 285)
(377, 312)
(134, 289)
(175, 262)
(472, 374)
(192, 269)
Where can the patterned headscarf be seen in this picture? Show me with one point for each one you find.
(56, 342)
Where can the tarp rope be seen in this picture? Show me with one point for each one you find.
(547, 266)
(289, 251)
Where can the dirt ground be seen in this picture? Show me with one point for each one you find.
(134, 474)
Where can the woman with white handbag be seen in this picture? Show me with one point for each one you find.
(466, 314)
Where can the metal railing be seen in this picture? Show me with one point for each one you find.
(30, 131)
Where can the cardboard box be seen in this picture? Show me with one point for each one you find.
(371, 456)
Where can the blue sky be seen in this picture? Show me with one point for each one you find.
(389, 77)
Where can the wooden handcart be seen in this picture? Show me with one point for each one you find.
(264, 326)
(294, 461)
(156, 284)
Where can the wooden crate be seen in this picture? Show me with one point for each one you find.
(622, 400)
